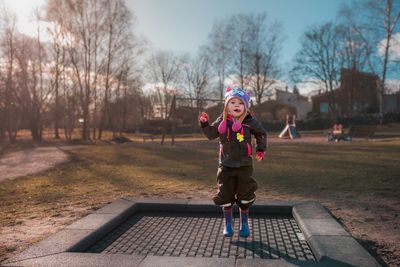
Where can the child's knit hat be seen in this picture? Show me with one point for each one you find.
(230, 93)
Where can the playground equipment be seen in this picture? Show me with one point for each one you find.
(290, 130)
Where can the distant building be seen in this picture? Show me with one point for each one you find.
(295, 100)
(283, 101)
(158, 111)
(269, 94)
(392, 102)
(272, 111)
(357, 94)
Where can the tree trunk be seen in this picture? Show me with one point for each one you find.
(167, 121)
(2, 130)
(56, 111)
(85, 125)
(382, 87)
(124, 110)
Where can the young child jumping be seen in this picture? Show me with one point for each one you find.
(234, 177)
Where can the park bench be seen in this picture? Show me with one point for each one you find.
(362, 131)
(121, 139)
(148, 137)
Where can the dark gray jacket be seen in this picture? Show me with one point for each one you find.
(235, 147)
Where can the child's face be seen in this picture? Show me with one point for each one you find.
(235, 107)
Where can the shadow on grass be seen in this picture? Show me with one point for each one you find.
(372, 247)
(129, 168)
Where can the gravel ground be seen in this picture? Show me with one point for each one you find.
(30, 161)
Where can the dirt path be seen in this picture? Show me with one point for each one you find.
(30, 161)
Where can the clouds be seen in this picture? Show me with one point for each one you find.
(394, 49)
(392, 86)
(311, 87)
(26, 23)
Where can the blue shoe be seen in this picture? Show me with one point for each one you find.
(244, 229)
(244, 224)
(228, 230)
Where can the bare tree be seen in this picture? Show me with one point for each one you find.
(117, 26)
(263, 52)
(59, 67)
(241, 40)
(354, 52)
(33, 92)
(164, 69)
(248, 47)
(127, 96)
(11, 110)
(95, 34)
(355, 48)
(388, 12)
(377, 21)
(317, 59)
(196, 72)
(79, 20)
(219, 50)
(120, 103)
(57, 54)
(69, 107)
(384, 17)
(146, 103)
(64, 82)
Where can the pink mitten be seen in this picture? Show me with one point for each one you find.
(222, 127)
(236, 126)
(260, 155)
(203, 117)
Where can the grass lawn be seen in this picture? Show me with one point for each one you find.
(358, 181)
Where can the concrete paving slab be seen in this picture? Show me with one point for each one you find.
(151, 261)
(81, 260)
(311, 227)
(314, 219)
(272, 263)
(117, 207)
(342, 250)
(310, 210)
(162, 204)
(93, 221)
(57, 243)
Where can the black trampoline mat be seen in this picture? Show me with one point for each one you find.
(200, 235)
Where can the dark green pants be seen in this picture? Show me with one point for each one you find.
(235, 185)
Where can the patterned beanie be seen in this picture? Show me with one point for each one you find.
(244, 97)
(238, 93)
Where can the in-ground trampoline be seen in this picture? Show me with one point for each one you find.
(189, 233)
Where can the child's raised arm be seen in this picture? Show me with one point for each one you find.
(210, 131)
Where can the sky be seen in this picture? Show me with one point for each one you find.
(183, 25)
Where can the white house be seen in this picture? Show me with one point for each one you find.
(294, 99)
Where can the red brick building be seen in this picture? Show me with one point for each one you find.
(357, 94)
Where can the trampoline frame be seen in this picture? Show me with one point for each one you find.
(330, 243)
